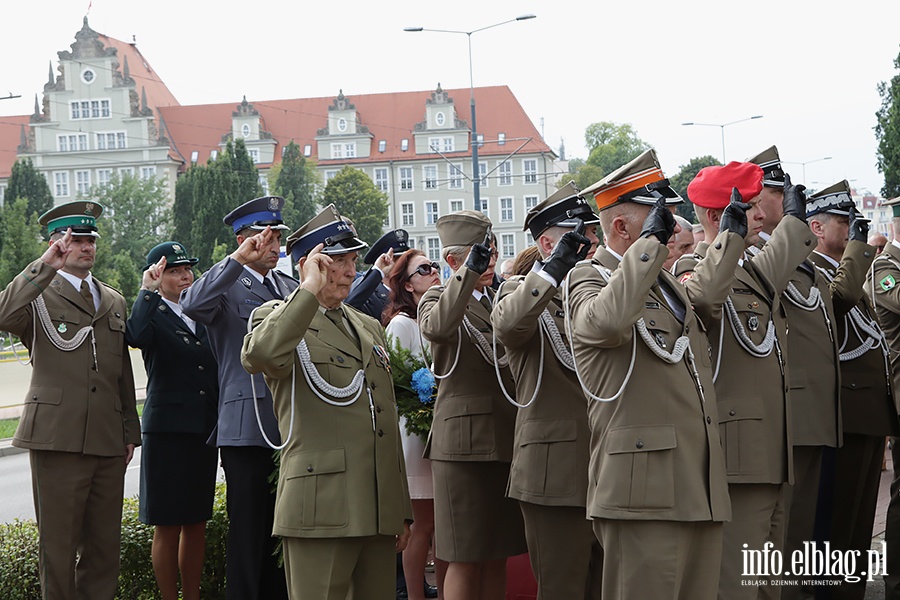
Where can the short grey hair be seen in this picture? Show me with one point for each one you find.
(685, 224)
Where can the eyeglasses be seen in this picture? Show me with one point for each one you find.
(425, 269)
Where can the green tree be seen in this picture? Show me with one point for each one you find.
(183, 207)
(21, 236)
(355, 196)
(27, 182)
(685, 175)
(612, 145)
(295, 179)
(887, 132)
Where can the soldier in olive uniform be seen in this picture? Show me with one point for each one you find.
(548, 475)
(79, 423)
(343, 507)
(749, 362)
(657, 494)
(852, 473)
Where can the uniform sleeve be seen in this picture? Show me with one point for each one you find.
(139, 329)
(14, 300)
(790, 244)
(204, 301)
(441, 310)
(278, 328)
(520, 303)
(708, 280)
(363, 288)
(847, 287)
(885, 284)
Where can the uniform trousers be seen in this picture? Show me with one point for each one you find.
(329, 568)
(800, 501)
(892, 529)
(78, 504)
(565, 556)
(251, 569)
(757, 517)
(662, 560)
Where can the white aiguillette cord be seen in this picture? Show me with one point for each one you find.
(42, 315)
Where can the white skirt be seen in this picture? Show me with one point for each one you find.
(418, 468)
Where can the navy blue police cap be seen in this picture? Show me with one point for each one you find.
(257, 214)
(326, 228)
(398, 239)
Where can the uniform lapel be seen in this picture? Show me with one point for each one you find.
(331, 335)
(744, 276)
(106, 301)
(67, 291)
(606, 259)
(365, 339)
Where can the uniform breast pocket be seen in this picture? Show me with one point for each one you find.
(41, 417)
(314, 490)
(637, 468)
(754, 320)
(743, 435)
(659, 328)
(545, 464)
(468, 426)
(336, 367)
(117, 328)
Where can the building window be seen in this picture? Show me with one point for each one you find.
(484, 207)
(406, 179)
(501, 139)
(506, 210)
(337, 151)
(530, 202)
(82, 182)
(382, 145)
(72, 143)
(439, 119)
(404, 144)
(245, 130)
(89, 109)
(194, 156)
(508, 245)
(264, 184)
(529, 167)
(431, 175)
(456, 177)
(103, 176)
(482, 174)
(329, 175)
(148, 172)
(504, 170)
(350, 150)
(126, 171)
(307, 150)
(431, 213)
(253, 153)
(110, 140)
(2, 194)
(342, 125)
(456, 205)
(213, 154)
(529, 239)
(480, 140)
(407, 214)
(381, 179)
(87, 76)
(61, 184)
(447, 144)
(434, 249)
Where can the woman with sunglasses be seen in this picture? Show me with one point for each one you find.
(412, 275)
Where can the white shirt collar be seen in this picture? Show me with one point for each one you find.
(614, 253)
(76, 281)
(176, 308)
(835, 263)
(260, 277)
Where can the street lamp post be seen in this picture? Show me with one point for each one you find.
(476, 176)
(722, 126)
(803, 164)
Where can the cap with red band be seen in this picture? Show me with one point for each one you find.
(711, 188)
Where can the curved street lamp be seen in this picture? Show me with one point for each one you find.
(722, 126)
(803, 164)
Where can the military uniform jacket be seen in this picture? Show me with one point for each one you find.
(473, 421)
(342, 472)
(655, 449)
(883, 286)
(182, 385)
(752, 391)
(867, 402)
(222, 300)
(72, 404)
(369, 295)
(550, 453)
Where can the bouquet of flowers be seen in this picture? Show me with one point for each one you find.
(414, 388)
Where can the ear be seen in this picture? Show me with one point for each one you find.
(714, 216)
(620, 227)
(816, 227)
(408, 287)
(545, 245)
(451, 260)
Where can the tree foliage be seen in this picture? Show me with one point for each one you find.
(355, 196)
(887, 132)
(612, 145)
(183, 207)
(685, 175)
(295, 179)
(21, 235)
(27, 182)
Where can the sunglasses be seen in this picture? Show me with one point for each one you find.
(426, 269)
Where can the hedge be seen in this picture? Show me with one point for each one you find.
(19, 578)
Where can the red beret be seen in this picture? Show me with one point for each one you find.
(711, 188)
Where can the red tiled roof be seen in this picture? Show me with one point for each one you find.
(390, 117)
(158, 95)
(10, 136)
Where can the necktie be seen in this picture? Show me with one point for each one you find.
(270, 285)
(671, 299)
(337, 317)
(486, 302)
(86, 294)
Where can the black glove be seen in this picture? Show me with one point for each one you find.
(734, 217)
(794, 202)
(572, 247)
(660, 222)
(859, 227)
(480, 255)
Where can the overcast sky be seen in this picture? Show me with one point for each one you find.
(809, 67)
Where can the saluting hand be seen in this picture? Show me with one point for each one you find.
(794, 202)
(55, 255)
(479, 258)
(314, 271)
(254, 248)
(660, 223)
(859, 227)
(153, 275)
(385, 262)
(572, 247)
(734, 217)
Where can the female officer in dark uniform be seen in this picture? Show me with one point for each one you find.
(178, 468)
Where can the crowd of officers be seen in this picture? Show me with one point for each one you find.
(635, 415)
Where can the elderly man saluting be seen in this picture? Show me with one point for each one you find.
(343, 504)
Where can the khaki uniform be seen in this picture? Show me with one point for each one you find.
(79, 415)
(471, 439)
(656, 470)
(342, 472)
(548, 475)
(752, 392)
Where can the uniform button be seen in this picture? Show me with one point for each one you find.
(340, 359)
(33, 270)
(808, 242)
(240, 394)
(645, 257)
(731, 413)
(380, 433)
(310, 468)
(708, 420)
(867, 254)
(853, 385)
(687, 329)
(202, 392)
(639, 444)
(93, 388)
(378, 409)
(146, 297)
(198, 343)
(34, 397)
(200, 368)
(652, 322)
(535, 292)
(374, 386)
(459, 277)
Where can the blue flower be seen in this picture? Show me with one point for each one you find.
(422, 383)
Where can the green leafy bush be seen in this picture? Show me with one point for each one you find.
(19, 557)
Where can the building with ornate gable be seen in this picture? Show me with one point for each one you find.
(106, 111)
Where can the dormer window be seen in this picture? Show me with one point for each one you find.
(307, 150)
(342, 125)
(382, 145)
(501, 139)
(245, 130)
(404, 144)
(194, 156)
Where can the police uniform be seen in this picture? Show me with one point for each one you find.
(222, 300)
(748, 338)
(79, 414)
(851, 474)
(548, 474)
(471, 439)
(883, 286)
(368, 293)
(656, 483)
(342, 491)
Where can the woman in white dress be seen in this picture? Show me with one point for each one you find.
(413, 273)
